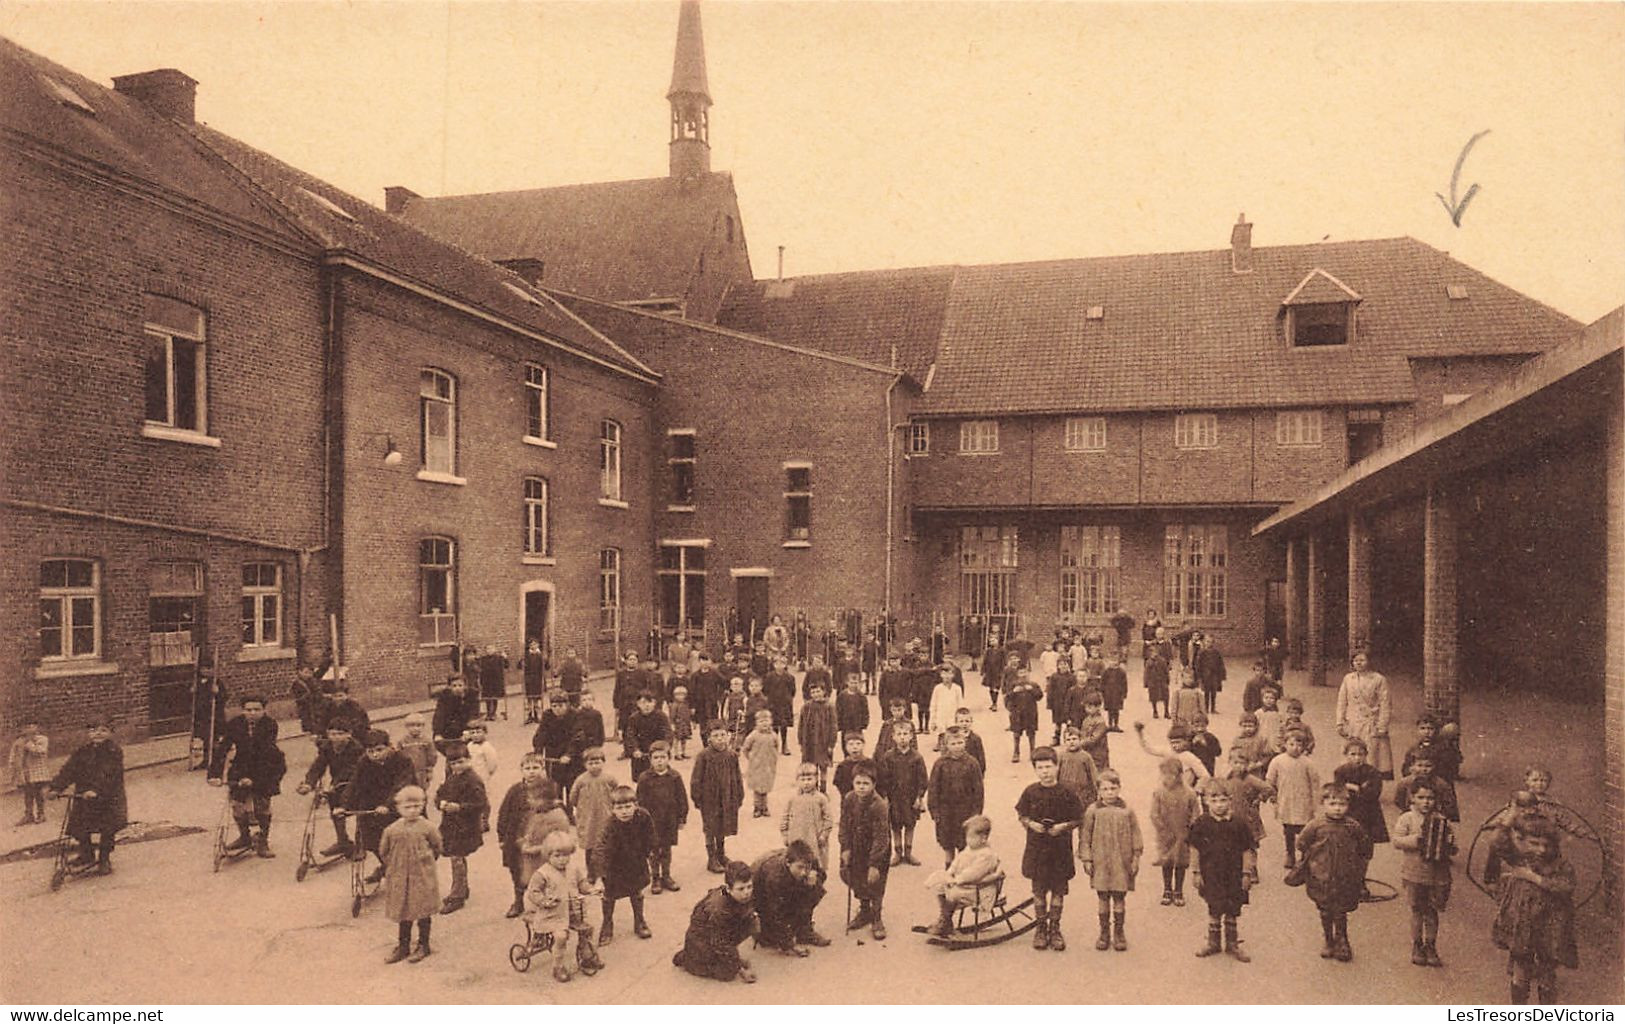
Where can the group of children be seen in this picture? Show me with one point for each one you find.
(569, 831)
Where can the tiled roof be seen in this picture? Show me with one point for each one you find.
(1178, 330)
(619, 240)
(862, 315)
(119, 134)
(341, 222)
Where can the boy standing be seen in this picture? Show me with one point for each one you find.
(973, 742)
(1429, 843)
(1049, 812)
(1224, 868)
(1021, 703)
(816, 733)
(954, 793)
(255, 775)
(554, 740)
(419, 749)
(661, 792)
(865, 838)
(646, 727)
(852, 707)
(624, 852)
(1077, 768)
(718, 789)
(1335, 852)
(464, 807)
(525, 800)
(1114, 689)
(852, 747)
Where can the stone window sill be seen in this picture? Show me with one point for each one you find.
(430, 476)
(797, 544)
(164, 432)
(679, 508)
(265, 654)
(74, 667)
(613, 503)
(540, 442)
(538, 560)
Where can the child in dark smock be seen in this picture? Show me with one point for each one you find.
(1224, 868)
(1049, 812)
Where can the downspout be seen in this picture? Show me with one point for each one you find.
(332, 441)
(891, 484)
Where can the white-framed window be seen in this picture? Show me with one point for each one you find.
(681, 574)
(978, 437)
(988, 557)
(1085, 434)
(437, 591)
(1300, 428)
(1091, 559)
(609, 589)
(918, 439)
(174, 606)
(262, 604)
(682, 454)
(798, 502)
(609, 460)
(70, 610)
(437, 420)
(1195, 570)
(538, 413)
(538, 524)
(177, 377)
(1196, 430)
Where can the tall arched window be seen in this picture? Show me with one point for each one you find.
(437, 421)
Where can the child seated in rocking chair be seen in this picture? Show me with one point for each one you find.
(966, 880)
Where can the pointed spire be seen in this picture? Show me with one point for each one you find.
(688, 68)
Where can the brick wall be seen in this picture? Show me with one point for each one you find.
(389, 335)
(79, 258)
(1461, 375)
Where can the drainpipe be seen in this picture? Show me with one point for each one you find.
(891, 483)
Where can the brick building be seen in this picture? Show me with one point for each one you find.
(1100, 433)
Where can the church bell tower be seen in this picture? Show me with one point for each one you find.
(690, 98)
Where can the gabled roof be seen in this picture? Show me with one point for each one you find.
(118, 137)
(343, 224)
(1319, 287)
(1177, 331)
(862, 315)
(624, 241)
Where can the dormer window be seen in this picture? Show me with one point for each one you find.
(1319, 311)
(1320, 324)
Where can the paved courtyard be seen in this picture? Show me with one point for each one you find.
(163, 929)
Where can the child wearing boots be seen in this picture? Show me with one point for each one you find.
(807, 815)
(1296, 783)
(954, 793)
(865, 839)
(1187, 701)
(1224, 869)
(960, 884)
(903, 781)
(1252, 744)
(464, 809)
(624, 850)
(555, 905)
(722, 919)
(1156, 678)
(1335, 851)
(1109, 847)
(407, 852)
(1094, 730)
(718, 789)
(96, 771)
(1174, 807)
(381, 773)
(1049, 812)
(336, 758)
(1535, 922)
(662, 794)
(1021, 704)
(682, 722)
(816, 733)
(1428, 843)
(255, 775)
(1114, 689)
(1078, 770)
(760, 752)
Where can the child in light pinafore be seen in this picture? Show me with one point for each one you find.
(407, 851)
(1110, 846)
(1297, 791)
(1174, 806)
(760, 752)
(807, 815)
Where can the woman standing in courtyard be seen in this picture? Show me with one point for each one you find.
(1363, 710)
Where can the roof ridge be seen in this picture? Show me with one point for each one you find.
(561, 188)
(729, 332)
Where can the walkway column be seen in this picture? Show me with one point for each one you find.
(1317, 611)
(1359, 582)
(1439, 628)
(1613, 824)
(1294, 602)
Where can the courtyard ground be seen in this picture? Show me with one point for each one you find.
(164, 929)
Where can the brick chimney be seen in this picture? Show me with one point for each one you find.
(396, 197)
(170, 93)
(1241, 246)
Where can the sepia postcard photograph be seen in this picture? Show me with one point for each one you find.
(802, 504)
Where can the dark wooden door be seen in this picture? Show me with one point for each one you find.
(751, 599)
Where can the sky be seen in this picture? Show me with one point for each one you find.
(891, 134)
